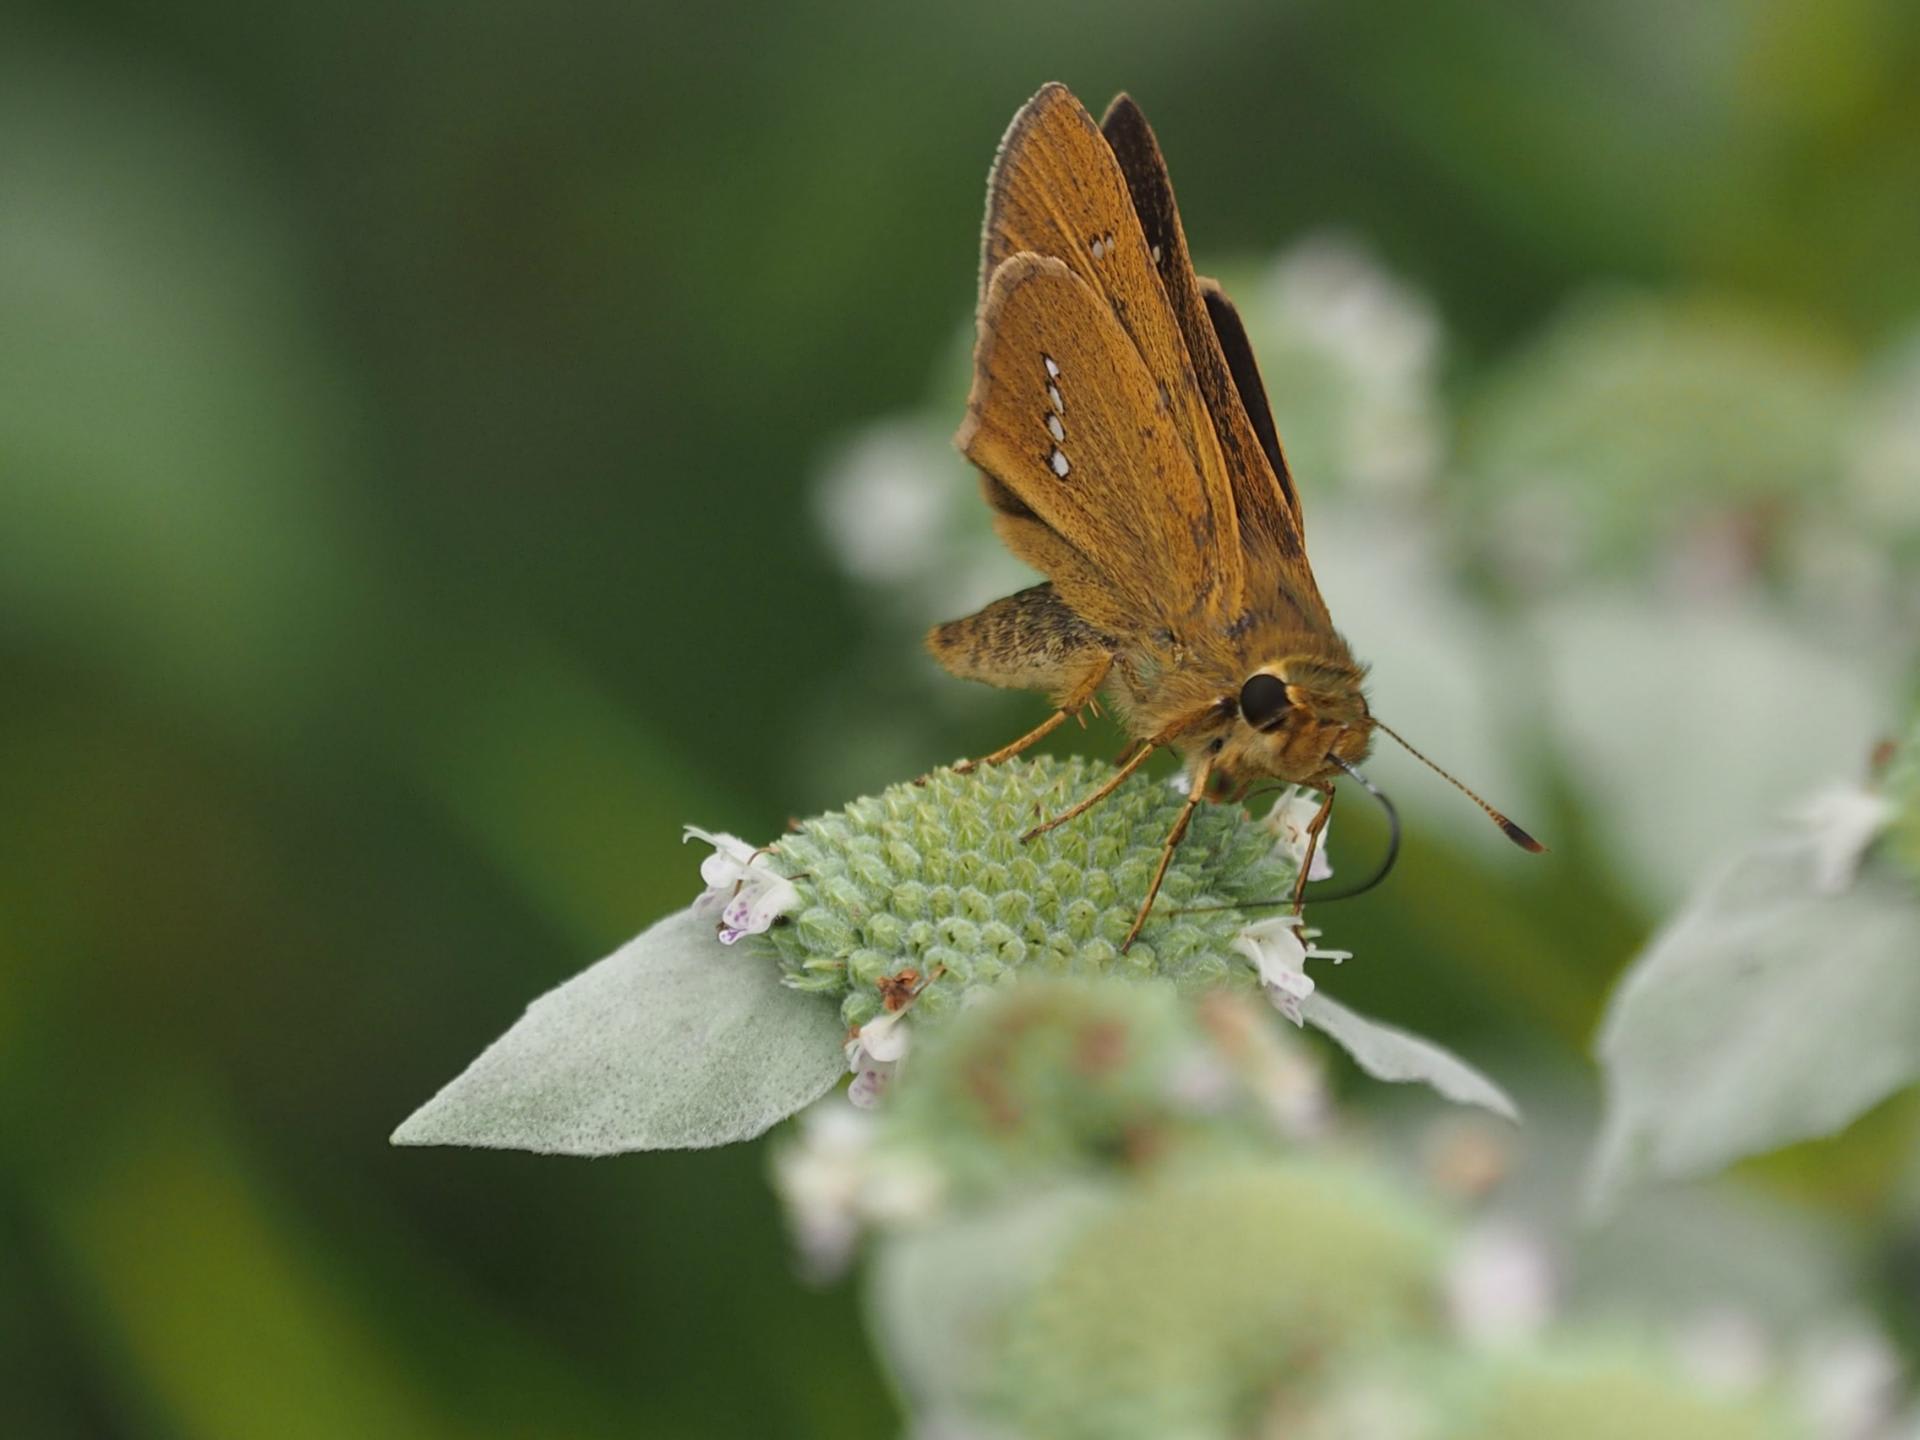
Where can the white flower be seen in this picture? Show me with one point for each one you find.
(834, 1179)
(1284, 1074)
(874, 1054)
(818, 1178)
(1370, 346)
(1725, 1351)
(1279, 949)
(1292, 813)
(1500, 1285)
(745, 890)
(1847, 1378)
(884, 498)
(1842, 821)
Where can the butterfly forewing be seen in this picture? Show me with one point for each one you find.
(1079, 440)
(1263, 492)
(1057, 190)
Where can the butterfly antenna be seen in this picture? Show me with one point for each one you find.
(1513, 832)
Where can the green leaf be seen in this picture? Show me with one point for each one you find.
(673, 1042)
(1766, 1013)
(1397, 1056)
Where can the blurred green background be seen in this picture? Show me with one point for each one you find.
(409, 423)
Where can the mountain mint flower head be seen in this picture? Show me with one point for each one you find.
(1060, 1079)
(745, 891)
(1206, 1295)
(904, 902)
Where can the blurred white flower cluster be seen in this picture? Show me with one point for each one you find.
(1103, 1215)
(1356, 354)
(1659, 563)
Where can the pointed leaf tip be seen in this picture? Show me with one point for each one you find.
(673, 1042)
(1398, 1056)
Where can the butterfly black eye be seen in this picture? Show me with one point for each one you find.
(1263, 700)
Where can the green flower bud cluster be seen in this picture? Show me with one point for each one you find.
(1300, 1297)
(1577, 1391)
(1198, 1296)
(928, 888)
(1058, 1079)
(1119, 1249)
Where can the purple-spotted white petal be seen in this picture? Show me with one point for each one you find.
(742, 886)
(874, 1054)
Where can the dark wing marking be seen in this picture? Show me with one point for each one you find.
(1263, 491)
(1232, 334)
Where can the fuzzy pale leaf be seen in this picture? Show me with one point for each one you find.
(673, 1042)
(1396, 1056)
(1766, 1013)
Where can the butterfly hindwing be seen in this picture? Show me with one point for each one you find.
(1085, 461)
(1278, 568)
(1057, 190)
(1231, 332)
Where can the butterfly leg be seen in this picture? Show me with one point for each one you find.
(1136, 755)
(1028, 641)
(1111, 784)
(1196, 792)
(1076, 700)
(1314, 827)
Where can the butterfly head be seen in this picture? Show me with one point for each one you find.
(1296, 718)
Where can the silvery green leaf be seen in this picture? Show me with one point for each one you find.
(1396, 1056)
(1766, 1013)
(673, 1042)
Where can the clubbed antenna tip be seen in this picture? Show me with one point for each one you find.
(1513, 832)
(1520, 837)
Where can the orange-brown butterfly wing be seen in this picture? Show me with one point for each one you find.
(1056, 190)
(1265, 499)
(1083, 454)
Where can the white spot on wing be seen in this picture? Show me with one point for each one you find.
(1053, 395)
(1059, 463)
(1053, 370)
(1055, 428)
(1099, 249)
